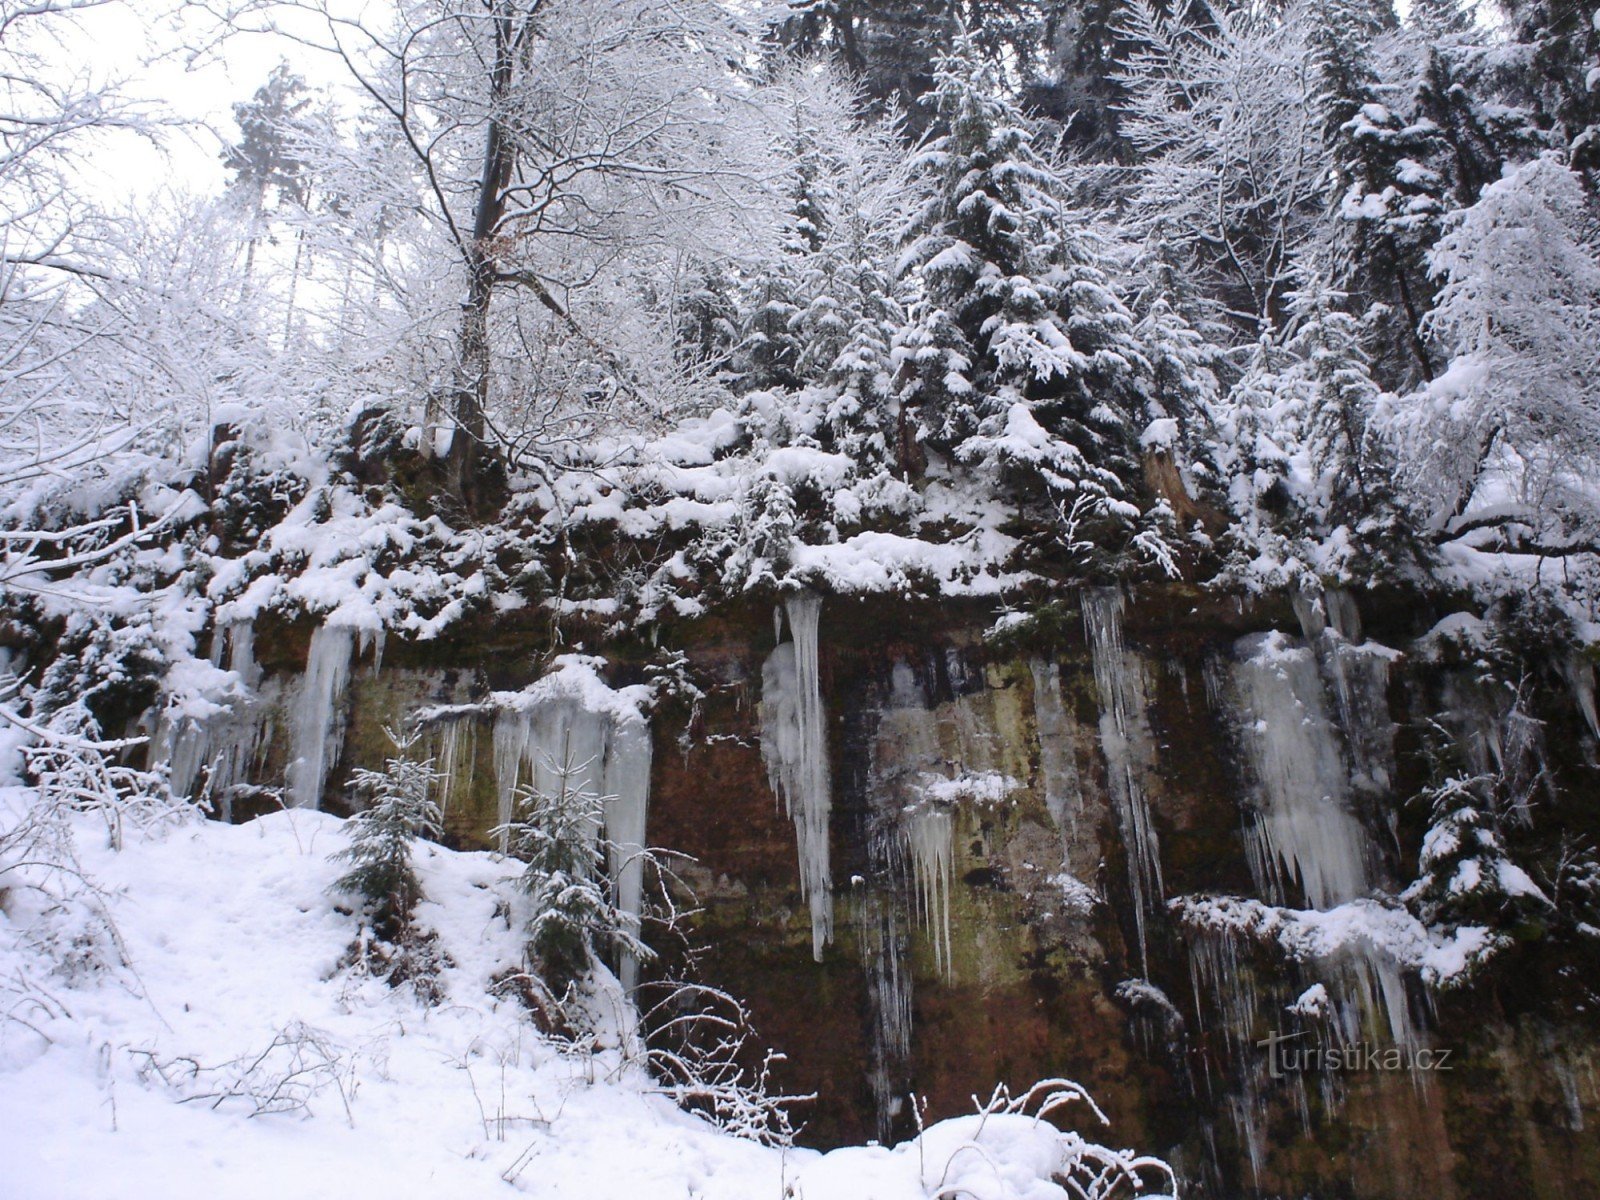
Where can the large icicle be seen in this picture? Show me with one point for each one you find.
(794, 742)
(318, 733)
(1129, 749)
(1305, 833)
(571, 721)
(930, 832)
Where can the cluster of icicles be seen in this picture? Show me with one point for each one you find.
(214, 756)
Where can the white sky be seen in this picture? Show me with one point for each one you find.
(140, 46)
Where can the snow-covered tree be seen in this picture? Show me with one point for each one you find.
(1018, 357)
(399, 810)
(1505, 438)
(552, 138)
(1384, 201)
(559, 833)
(1221, 113)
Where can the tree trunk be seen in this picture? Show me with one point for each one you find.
(470, 400)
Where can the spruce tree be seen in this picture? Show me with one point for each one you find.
(558, 831)
(1351, 497)
(1384, 203)
(1018, 358)
(399, 811)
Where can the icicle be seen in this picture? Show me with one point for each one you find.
(930, 831)
(1129, 749)
(1579, 672)
(1360, 678)
(242, 653)
(1225, 1000)
(1310, 611)
(1063, 790)
(318, 733)
(452, 758)
(795, 745)
(1304, 832)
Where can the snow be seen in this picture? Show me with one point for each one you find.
(1360, 930)
(231, 939)
(980, 787)
(1160, 434)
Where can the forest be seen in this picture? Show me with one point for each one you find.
(536, 355)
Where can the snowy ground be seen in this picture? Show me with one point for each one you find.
(109, 1075)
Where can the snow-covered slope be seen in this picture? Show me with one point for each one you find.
(184, 1029)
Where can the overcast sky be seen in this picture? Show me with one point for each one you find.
(152, 58)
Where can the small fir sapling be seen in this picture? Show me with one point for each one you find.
(382, 837)
(558, 831)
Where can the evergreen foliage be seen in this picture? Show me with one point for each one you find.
(382, 835)
(1019, 358)
(559, 833)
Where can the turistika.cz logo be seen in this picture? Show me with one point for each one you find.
(1286, 1056)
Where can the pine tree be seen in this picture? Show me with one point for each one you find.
(1563, 37)
(558, 832)
(1018, 358)
(266, 159)
(399, 811)
(1182, 385)
(1351, 492)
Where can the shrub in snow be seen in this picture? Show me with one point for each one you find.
(1007, 1150)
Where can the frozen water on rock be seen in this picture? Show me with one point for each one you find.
(1305, 838)
(1128, 746)
(1304, 834)
(207, 757)
(1063, 789)
(888, 973)
(318, 729)
(455, 752)
(1579, 672)
(794, 743)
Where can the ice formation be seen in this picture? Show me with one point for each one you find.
(207, 756)
(1063, 789)
(794, 743)
(930, 834)
(1305, 837)
(318, 727)
(1304, 834)
(888, 973)
(1128, 746)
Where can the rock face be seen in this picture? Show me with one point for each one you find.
(1005, 823)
